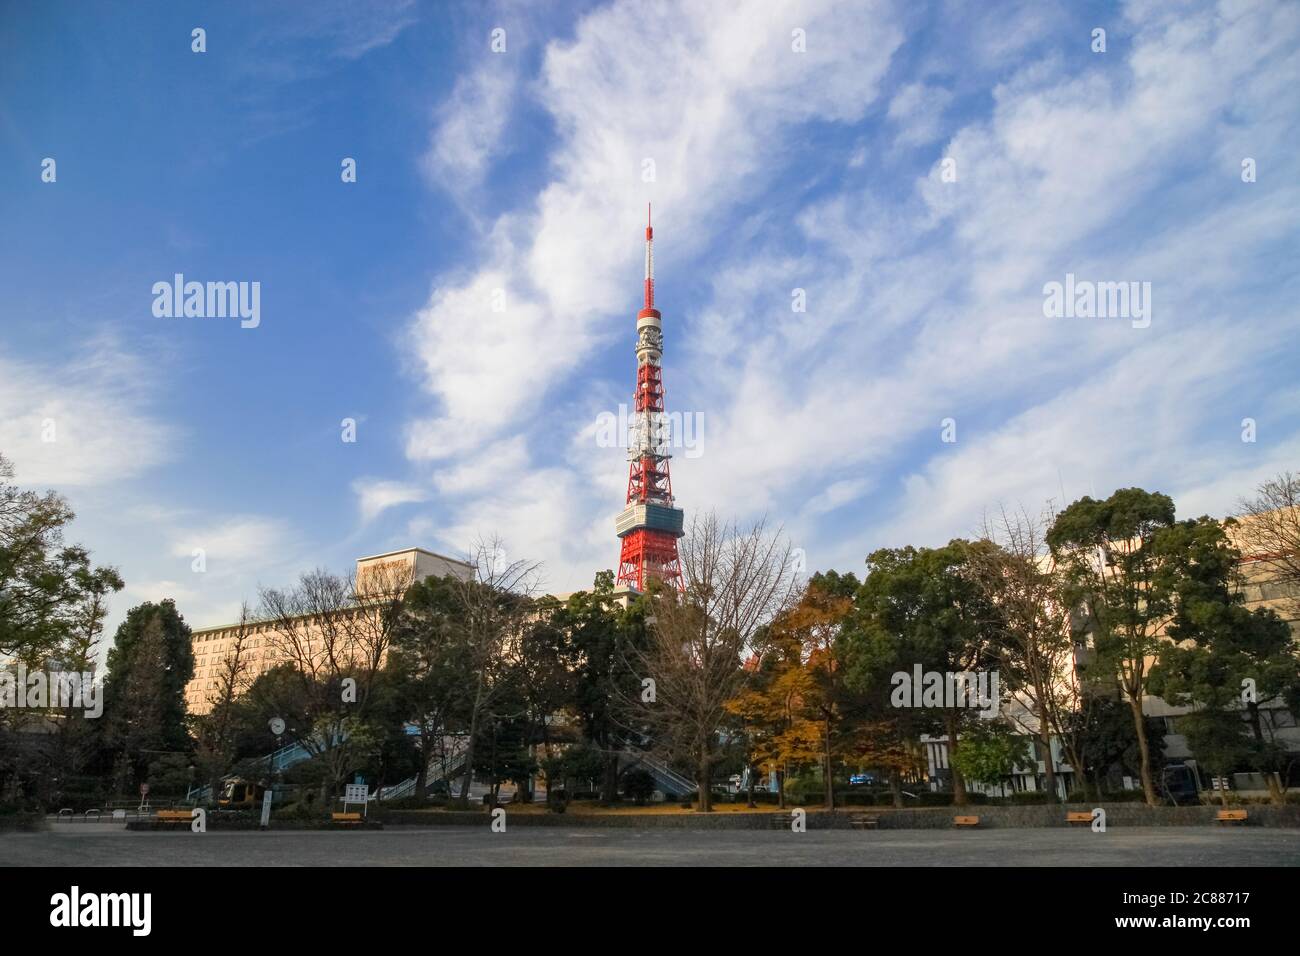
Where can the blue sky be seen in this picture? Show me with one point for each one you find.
(524, 171)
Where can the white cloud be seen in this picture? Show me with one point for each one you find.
(233, 540)
(704, 106)
(375, 496)
(468, 133)
(83, 421)
(917, 109)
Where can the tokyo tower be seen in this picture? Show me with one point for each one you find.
(650, 525)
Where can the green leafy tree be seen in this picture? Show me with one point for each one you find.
(144, 694)
(922, 606)
(1223, 659)
(430, 667)
(991, 752)
(595, 638)
(1108, 740)
(1119, 575)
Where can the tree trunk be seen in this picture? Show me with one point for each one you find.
(609, 784)
(780, 787)
(422, 772)
(1049, 766)
(703, 783)
(826, 767)
(1076, 764)
(1144, 751)
(896, 789)
(1275, 795)
(958, 781)
(1045, 735)
(751, 803)
(469, 763)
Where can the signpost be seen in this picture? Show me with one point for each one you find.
(356, 793)
(266, 808)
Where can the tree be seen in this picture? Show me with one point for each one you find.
(492, 607)
(330, 635)
(52, 601)
(431, 670)
(882, 736)
(216, 731)
(53, 604)
(920, 607)
(991, 752)
(1218, 648)
(1116, 573)
(594, 639)
(1108, 739)
(149, 665)
(1033, 638)
(1270, 527)
(797, 702)
(765, 708)
(736, 581)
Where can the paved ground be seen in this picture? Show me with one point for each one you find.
(100, 845)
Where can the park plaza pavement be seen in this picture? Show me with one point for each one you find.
(80, 845)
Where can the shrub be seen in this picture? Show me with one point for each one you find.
(928, 798)
(852, 798)
(412, 803)
(638, 783)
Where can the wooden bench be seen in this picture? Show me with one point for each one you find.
(965, 821)
(1078, 816)
(172, 817)
(781, 820)
(346, 819)
(1230, 816)
(864, 821)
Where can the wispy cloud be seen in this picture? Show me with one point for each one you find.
(375, 496)
(86, 420)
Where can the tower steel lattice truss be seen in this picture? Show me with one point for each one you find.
(650, 524)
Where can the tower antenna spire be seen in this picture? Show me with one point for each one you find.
(649, 261)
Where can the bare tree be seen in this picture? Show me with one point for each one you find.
(1035, 643)
(1269, 528)
(334, 633)
(736, 581)
(494, 605)
(215, 737)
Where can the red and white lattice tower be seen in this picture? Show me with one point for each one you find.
(650, 525)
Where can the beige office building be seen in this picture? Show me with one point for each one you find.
(261, 650)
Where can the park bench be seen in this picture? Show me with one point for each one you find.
(1230, 816)
(780, 821)
(965, 821)
(172, 818)
(346, 819)
(864, 821)
(1078, 816)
